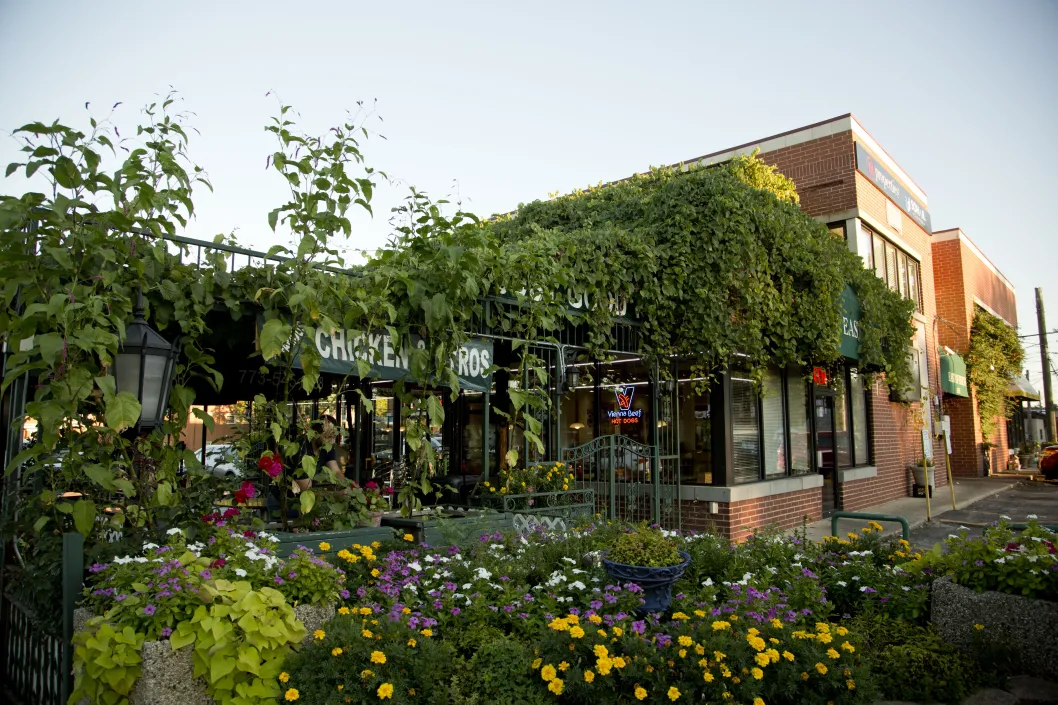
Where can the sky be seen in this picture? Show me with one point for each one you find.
(496, 104)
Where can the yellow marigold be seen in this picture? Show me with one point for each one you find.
(367, 634)
(572, 619)
(600, 651)
(378, 657)
(726, 695)
(733, 617)
(825, 638)
(603, 665)
(366, 673)
(708, 677)
(365, 611)
(720, 625)
(804, 676)
(674, 693)
(852, 535)
(341, 687)
(756, 643)
(617, 631)
(563, 666)
(758, 701)
(736, 680)
(589, 676)
(537, 662)
(411, 692)
(757, 673)
(979, 627)
(556, 686)
(376, 545)
(284, 677)
(619, 661)
(641, 693)
(686, 640)
(375, 573)
(700, 614)
(776, 623)
(679, 616)
(558, 624)
(336, 651)
(850, 684)
(650, 669)
(602, 633)
(319, 634)
(725, 671)
(384, 691)
(324, 546)
(753, 631)
(412, 643)
(848, 647)
(832, 653)
(595, 619)
(683, 653)
(406, 610)
(343, 610)
(822, 627)
(772, 655)
(408, 537)
(427, 632)
(788, 656)
(821, 669)
(291, 695)
(719, 655)
(699, 649)
(762, 659)
(548, 672)
(841, 631)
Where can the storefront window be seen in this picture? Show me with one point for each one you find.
(912, 283)
(774, 425)
(578, 412)
(842, 437)
(800, 430)
(745, 430)
(696, 430)
(859, 417)
(625, 400)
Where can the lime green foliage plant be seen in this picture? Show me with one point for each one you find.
(644, 546)
(240, 640)
(106, 662)
(993, 361)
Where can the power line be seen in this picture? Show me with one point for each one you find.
(1033, 335)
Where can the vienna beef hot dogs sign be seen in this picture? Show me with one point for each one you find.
(341, 348)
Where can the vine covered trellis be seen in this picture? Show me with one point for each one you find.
(993, 362)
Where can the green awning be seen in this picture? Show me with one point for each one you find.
(953, 375)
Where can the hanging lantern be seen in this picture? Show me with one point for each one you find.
(144, 368)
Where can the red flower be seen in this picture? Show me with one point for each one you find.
(371, 485)
(240, 497)
(231, 512)
(217, 563)
(245, 492)
(271, 464)
(1013, 547)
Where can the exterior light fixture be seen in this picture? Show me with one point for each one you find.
(144, 367)
(576, 425)
(570, 372)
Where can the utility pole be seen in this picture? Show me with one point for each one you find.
(1048, 398)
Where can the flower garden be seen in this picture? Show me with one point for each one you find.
(534, 618)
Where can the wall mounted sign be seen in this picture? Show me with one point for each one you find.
(880, 177)
(624, 413)
(850, 324)
(819, 376)
(953, 375)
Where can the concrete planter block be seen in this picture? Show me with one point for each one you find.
(1024, 628)
(167, 677)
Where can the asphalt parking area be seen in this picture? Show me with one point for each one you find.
(1027, 498)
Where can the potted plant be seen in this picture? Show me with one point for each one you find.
(650, 559)
(1027, 454)
(920, 474)
(376, 502)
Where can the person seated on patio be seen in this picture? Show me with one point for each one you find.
(325, 448)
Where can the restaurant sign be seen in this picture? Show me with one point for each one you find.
(341, 348)
(624, 413)
(850, 324)
(892, 188)
(953, 375)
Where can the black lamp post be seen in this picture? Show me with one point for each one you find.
(571, 373)
(144, 368)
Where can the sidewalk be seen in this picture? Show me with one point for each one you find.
(967, 491)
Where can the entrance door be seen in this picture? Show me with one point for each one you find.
(826, 456)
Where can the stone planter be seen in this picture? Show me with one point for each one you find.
(656, 582)
(374, 519)
(1024, 628)
(449, 526)
(1026, 460)
(168, 676)
(339, 539)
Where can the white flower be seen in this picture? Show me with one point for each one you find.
(864, 589)
(1031, 516)
(952, 536)
(122, 561)
(415, 566)
(139, 559)
(174, 530)
(578, 585)
(240, 572)
(483, 574)
(410, 587)
(841, 583)
(467, 586)
(1004, 516)
(148, 546)
(708, 582)
(855, 577)
(1032, 559)
(577, 571)
(569, 560)
(1001, 560)
(428, 558)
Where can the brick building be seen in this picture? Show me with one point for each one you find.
(857, 444)
(966, 280)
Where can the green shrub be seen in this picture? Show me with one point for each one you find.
(647, 547)
(501, 672)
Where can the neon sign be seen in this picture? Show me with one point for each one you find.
(624, 412)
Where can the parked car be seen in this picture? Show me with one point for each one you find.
(1049, 462)
(222, 461)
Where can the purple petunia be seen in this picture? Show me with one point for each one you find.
(149, 610)
(167, 632)
(97, 567)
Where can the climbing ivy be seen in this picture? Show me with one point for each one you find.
(993, 361)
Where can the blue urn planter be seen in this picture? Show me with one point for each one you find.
(656, 582)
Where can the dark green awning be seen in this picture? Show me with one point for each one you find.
(953, 375)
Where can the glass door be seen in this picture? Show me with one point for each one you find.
(826, 455)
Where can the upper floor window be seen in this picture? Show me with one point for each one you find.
(898, 269)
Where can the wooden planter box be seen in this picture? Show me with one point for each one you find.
(554, 511)
(339, 539)
(452, 525)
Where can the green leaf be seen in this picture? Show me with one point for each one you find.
(104, 477)
(163, 494)
(435, 410)
(220, 666)
(274, 336)
(205, 417)
(273, 218)
(106, 385)
(39, 524)
(182, 636)
(84, 516)
(50, 345)
(123, 411)
(308, 501)
(308, 466)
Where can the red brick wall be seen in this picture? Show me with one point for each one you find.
(738, 520)
(822, 169)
